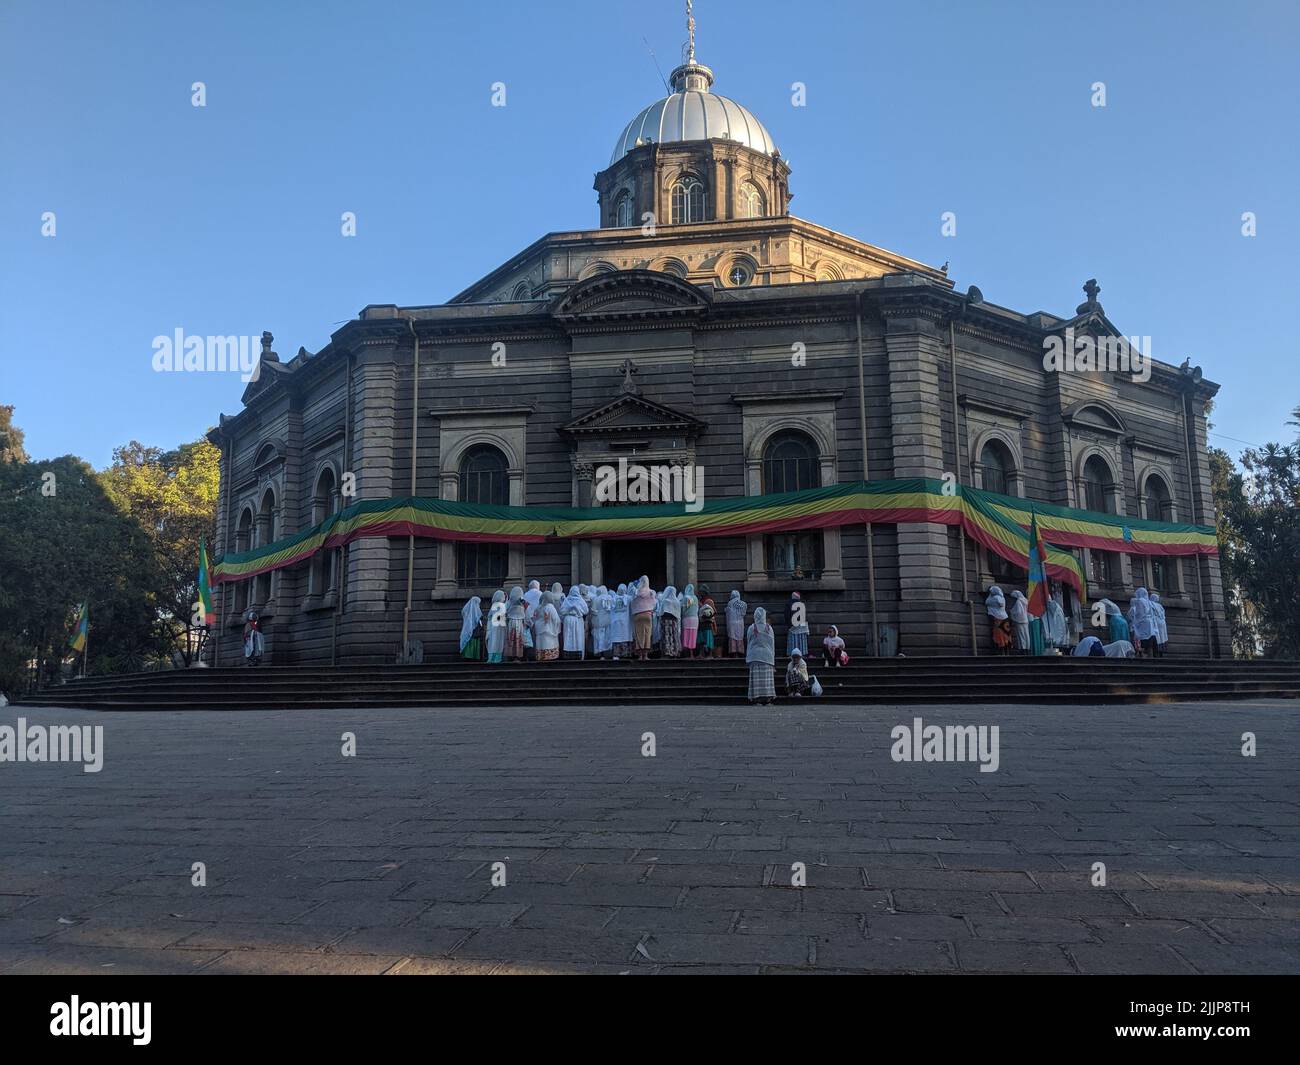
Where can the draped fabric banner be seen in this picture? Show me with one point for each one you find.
(997, 522)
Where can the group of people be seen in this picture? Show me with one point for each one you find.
(1143, 633)
(634, 622)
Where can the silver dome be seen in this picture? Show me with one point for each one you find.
(692, 113)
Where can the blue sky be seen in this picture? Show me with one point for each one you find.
(226, 219)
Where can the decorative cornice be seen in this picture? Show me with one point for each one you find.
(965, 401)
(795, 396)
(478, 412)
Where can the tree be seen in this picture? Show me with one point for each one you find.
(11, 437)
(1259, 537)
(64, 543)
(172, 496)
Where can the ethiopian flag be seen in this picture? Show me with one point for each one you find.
(77, 641)
(205, 587)
(1036, 569)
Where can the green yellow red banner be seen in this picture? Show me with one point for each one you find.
(997, 522)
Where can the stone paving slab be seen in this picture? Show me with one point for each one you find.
(540, 840)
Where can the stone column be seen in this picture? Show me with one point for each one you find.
(585, 474)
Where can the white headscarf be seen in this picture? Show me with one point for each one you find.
(1019, 608)
(736, 606)
(1119, 649)
(1054, 623)
(470, 615)
(996, 604)
(669, 603)
(1084, 647)
(1141, 617)
(1158, 612)
(515, 608)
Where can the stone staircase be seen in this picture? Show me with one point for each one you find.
(892, 681)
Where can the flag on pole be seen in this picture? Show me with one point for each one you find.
(205, 587)
(1037, 570)
(78, 639)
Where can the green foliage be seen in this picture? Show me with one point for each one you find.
(11, 437)
(1258, 511)
(63, 542)
(125, 540)
(172, 496)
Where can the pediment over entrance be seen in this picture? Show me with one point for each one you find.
(633, 415)
(630, 294)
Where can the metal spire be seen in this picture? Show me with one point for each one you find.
(690, 34)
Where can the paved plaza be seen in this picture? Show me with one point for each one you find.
(615, 862)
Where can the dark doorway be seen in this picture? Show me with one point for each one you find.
(626, 560)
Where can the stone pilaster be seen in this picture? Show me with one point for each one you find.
(916, 348)
(374, 446)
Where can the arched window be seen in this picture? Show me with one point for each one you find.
(1159, 503)
(325, 502)
(751, 202)
(687, 200)
(266, 533)
(1098, 486)
(1160, 507)
(791, 463)
(484, 479)
(623, 210)
(1099, 494)
(996, 469)
(243, 541)
(996, 466)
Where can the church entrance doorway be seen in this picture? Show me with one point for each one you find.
(626, 560)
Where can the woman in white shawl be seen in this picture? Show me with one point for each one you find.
(760, 655)
(471, 617)
(602, 611)
(643, 608)
(620, 623)
(531, 598)
(1088, 647)
(1119, 649)
(1142, 623)
(496, 627)
(1162, 627)
(1018, 612)
(1116, 626)
(690, 620)
(1054, 622)
(669, 612)
(546, 629)
(572, 612)
(516, 611)
(736, 609)
(996, 608)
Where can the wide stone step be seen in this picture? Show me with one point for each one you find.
(455, 683)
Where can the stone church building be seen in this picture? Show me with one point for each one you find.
(700, 324)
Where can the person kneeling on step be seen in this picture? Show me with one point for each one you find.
(796, 675)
